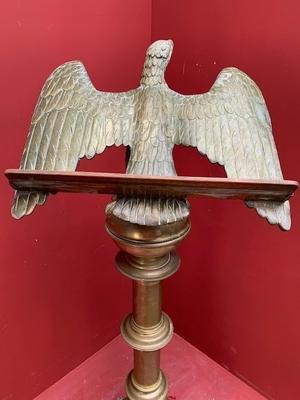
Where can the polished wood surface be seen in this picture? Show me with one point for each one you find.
(140, 185)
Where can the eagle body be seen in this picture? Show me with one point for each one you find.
(230, 124)
(152, 145)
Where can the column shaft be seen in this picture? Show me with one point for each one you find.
(147, 303)
(146, 367)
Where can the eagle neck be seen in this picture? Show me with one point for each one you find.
(153, 72)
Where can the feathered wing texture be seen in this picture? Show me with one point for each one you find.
(72, 120)
(231, 125)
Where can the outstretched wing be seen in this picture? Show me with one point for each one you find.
(72, 120)
(231, 125)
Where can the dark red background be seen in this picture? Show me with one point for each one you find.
(236, 296)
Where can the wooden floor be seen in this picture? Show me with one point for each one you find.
(192, 376)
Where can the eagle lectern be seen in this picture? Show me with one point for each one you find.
(149, 214)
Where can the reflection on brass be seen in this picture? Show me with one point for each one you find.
(138, 240)
(161, 270)
(230, 124)
(146, 234)
(147, 256)
(147, 339)
(156, 391)
(147, 363)
(147, 297)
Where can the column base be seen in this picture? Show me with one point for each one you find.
(157, 391)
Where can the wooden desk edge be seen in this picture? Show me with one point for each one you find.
(170, 186)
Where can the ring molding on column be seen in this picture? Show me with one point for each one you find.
(150, 338)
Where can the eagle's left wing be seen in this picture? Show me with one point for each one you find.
(231, 125)
(72, 120)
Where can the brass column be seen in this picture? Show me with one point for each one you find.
(147, 256)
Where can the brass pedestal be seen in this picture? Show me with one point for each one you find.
(147, 256)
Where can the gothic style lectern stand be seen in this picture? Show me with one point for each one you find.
(147, 253)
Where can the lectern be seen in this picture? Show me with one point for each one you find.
(149, 214)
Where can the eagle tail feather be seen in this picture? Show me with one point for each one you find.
(25, 202)
(274, 212)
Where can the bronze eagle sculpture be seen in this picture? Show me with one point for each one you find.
(230, 124)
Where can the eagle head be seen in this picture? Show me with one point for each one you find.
(157, 58)
(161, 49)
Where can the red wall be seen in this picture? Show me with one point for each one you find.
(237, 295)
(60, 296)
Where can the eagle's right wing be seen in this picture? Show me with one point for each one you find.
(72, 120)
(231, 125)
